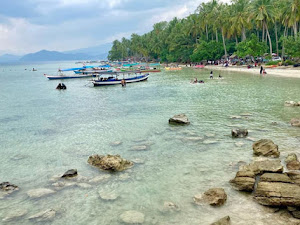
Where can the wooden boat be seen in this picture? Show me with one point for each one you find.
(119, 77)
(65, 76)
(173, 68)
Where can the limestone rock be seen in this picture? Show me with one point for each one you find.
(295, 122)
(40, 192)
(224, 221)
(17, 214)
(243, 181)
(276, 193)
(110, 162)
(236, 133)
(108, 195)
(70, 173)
(290, 103)
(265, 147)
(171, 207)
(213, 196)
(179, 119)
(275, 177)
(132, 217)
(7, 188)
(294, 211)
(46, 215)
(292, 162)
(259, 167)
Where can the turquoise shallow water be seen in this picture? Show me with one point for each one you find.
(44, 132)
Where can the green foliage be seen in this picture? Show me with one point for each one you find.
(288, 62)
(270, 63)
(292, 46)
(207, 50)
(251, 47)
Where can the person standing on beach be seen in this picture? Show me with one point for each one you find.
(261, 70)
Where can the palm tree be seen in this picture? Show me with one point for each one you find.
(240, 15)
(262, 11)
(291, 11)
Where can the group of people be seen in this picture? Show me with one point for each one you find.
(61, 86)
(211, 76)
(262, 70)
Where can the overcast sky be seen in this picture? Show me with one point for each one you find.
(31, 25)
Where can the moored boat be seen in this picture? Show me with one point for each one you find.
(67, 76)
(119, 77)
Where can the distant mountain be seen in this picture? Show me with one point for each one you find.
(45, 55)
(9, 58)
(93, 51)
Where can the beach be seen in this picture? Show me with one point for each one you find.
(283, 71)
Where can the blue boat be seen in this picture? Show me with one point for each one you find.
(120, 78)
(64, 76)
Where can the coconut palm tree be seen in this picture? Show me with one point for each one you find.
(262, 11)
(291, 11)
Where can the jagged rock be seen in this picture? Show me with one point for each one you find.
(179, 119)
(290, 103)
(294, 211)
(295, 122)
(132, 217)
(70, 173)
(46, 215)
(224, 221)
(17, 214)
(277, 190)
(213, 196)
(243, 181)
(110, 162)
(259, 167)
(265, 147)
(292, 162)
(236, 133)
(170, 206)
(40, 192)
(100, 178)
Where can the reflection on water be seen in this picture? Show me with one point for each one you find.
(44, 132)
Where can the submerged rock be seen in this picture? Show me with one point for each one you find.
(70, 173)
(179, 119)
(108, 195)
(110, 162)
(100, 178)
(213, 196)
(15, 215)
(224, 221)
(132, 217)
(295, 122)
(292, 162)
(139, 148)
(7, 188)
(46, 215)
(40, 192)
(265, 147)
(170, 206)
(243, 181)
(116, 143)
(236, 133)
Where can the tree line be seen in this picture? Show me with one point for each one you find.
(216, 30)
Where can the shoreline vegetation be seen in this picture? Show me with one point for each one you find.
(243, 31)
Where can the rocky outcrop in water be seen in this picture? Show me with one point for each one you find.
(224, 221)
(179, 119)
(132, 217)
(39, 192)
(295, 122)
(243, 181)
(15, 215)
(7, 188)
(291, 103)
(265, 147)
(237, 133)
(213, 196)
(292, 162)
(70, 173)
(110, 162)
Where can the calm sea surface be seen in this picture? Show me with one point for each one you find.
(44, 132)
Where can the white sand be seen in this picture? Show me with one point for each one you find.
(283, 71)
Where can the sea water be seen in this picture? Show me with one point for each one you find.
(44, 132)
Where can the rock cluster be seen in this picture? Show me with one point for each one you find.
(179, 119)
(273, 187)
(295, 122)
(110, 162)
(236, 133)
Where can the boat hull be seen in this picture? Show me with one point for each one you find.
(69, 77)
(114, 81)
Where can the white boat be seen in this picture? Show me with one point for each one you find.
(119, 78)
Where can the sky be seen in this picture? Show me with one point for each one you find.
(28, 26)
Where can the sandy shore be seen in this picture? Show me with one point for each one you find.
(278, 71)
